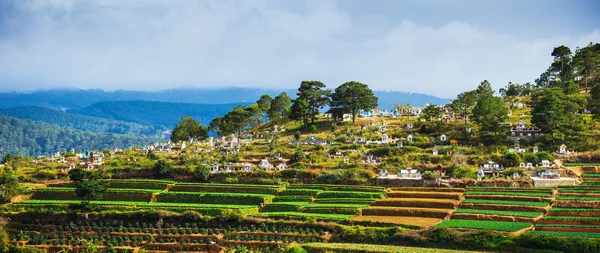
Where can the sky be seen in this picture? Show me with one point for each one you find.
(437, 47)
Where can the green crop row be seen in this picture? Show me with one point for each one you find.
(581, 164)
(293, 199)
(284, 207)
(336, 186)
(590, 175)
(160, 181)
(562, 209)
(234, 185)
(480, 224)
(345, 201)
(579, 191)
(578, 198)
(372, 248)
(505, 202)
(523, 194)
(110, 195)
(356, 188)
(137, 203)
(566, 234)
(330, 210)
(349, 194)
(214, 198)
(330, 205)
(482, 188)
(566, 226)
(571, 218)
(503, 213)
(300, 192)
(67, 189)
(221, 188)
(318, 216)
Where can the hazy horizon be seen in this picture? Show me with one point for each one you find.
(434, 47)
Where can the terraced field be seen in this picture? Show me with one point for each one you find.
(576, 211)
(415, 206)
(322, 202)
(501, 208)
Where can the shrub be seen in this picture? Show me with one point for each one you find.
(162, 168)
(201, 172)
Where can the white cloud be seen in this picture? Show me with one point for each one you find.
(138, 44)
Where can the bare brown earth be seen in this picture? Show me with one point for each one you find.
(570, 222)
(431, 195)
(413, 202)
(577, 204)
(488, 217)
(403, 220)
(568, 229)
(406, 211)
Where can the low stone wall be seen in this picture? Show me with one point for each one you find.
(399, 182)
(539, 182)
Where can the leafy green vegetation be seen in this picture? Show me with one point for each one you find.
(566, 234)
(505, 202)
(478, 224)
(525, 194)
(503, 213)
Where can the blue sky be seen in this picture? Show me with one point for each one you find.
(438, 47)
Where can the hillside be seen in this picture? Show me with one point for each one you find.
(28, 137)
(82, 122)
(155, 113)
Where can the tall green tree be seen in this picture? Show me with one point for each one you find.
(463, 102)
(188, 128)
(353, 96)
(559, 114)
(264, 103)
(315, 95)
(92, 188)
(301, 110)
(431, 113)
(594, 101)
(484, 88)
(280, 106)
(489, 112)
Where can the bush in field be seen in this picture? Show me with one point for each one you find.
(442, 236)
(201, 172)
(162, 168)
(430, 175)
(298, 157)
(295, 249)
(9, 185)
(464, 172)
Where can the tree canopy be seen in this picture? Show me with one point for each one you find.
(188, 128)
(353, 96)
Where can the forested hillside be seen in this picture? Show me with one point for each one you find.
(81, 122)
(156, 113)
(77, 98)
(28, 137)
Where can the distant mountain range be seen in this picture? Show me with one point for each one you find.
(156, 113)
(41, 122)
(28, 137)
(78, 99)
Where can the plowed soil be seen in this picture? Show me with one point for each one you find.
(473, 216)
(424, 195)
(406, 211)
(413, 202)
(405, 220)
